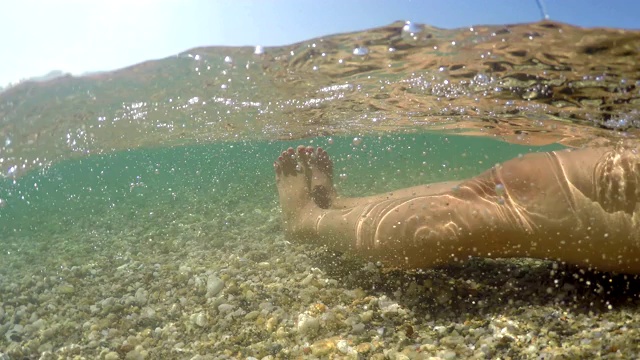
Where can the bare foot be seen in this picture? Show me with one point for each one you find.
(293, 182)
(321, 176)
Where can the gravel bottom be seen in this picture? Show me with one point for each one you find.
(257, 296)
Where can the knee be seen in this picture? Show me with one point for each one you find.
(617, 180)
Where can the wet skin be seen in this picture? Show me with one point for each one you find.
(579, 207)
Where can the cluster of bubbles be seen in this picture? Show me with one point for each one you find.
(411, 28)
(361, 51)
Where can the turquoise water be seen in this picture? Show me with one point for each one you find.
(155, 190)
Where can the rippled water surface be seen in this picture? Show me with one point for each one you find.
(546, 82)
(134, 164)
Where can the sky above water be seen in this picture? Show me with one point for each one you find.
(79, 36)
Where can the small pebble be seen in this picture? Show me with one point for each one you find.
(214, 286)
(307, 324)
(112, 356)
(323, 347)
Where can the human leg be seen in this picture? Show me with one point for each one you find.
(548, 205)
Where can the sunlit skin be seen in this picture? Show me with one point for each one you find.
(575, 206)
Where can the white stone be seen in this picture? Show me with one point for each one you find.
(141, 296)
(199, 319)
(148, 312)
(107, 302)
(136, 354)
(39, 324)
(214, 285)
(225, 308)
(447, 355)
(112, 356)
(366, 316)
(307, 280)
(307, 324)
(343, 347)
(357, 328)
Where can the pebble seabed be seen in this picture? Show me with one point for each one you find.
(188, 297)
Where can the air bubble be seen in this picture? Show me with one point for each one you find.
(356, 141)
(481, 79)
(361, 51)
(259, 50)
(411, 28)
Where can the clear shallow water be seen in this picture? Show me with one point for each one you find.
(129, 189)
(134, 179)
